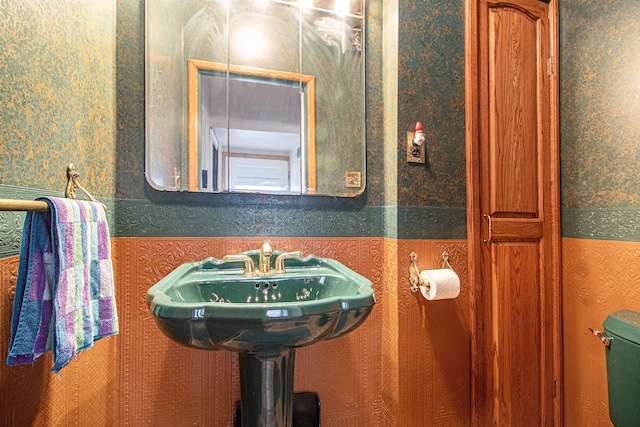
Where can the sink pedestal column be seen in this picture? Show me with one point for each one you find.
(266, 387)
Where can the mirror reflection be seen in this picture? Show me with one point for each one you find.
(260, 96)
(250, 130)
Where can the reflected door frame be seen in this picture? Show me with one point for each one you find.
(195, 67)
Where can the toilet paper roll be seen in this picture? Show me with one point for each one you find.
(440, 284)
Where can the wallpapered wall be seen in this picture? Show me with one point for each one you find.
(62, 98)
(600, 131)
(59, 76)
(58, 90)
(600, 88)
(138, 214)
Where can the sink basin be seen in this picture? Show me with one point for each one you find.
(263, 316)
(212, 305)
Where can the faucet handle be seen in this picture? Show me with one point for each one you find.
(249, 266)
(279, 264)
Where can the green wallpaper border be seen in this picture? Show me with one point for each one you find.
(432, 222)
(602, 224)
(137, 218)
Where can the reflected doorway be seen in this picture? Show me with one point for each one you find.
(250, 130)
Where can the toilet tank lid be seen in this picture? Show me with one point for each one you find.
(624, 324)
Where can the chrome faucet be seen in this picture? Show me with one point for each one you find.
(266, 250)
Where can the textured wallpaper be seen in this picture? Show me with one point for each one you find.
(600, 104)
(431, 90)
(599, 107)
(72, 85)
(59, 76)
(599, 110)
(57, 86)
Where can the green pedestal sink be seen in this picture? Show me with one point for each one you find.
(263, 315)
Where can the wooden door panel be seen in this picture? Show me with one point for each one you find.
(517, 337)
(515, 144)
(513, 219)
(500, 229)
(514, 119)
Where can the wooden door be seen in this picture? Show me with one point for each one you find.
(513, 212)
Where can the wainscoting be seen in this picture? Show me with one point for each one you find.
(408, 364)
(599, 277)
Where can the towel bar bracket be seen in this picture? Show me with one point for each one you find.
(42, 206)
(72, 184)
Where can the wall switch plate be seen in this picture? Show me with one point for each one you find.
(414, 154)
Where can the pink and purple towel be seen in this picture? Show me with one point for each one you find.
(64, 297)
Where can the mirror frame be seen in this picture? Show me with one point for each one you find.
(195, 67)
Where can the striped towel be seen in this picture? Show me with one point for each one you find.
(64, 297)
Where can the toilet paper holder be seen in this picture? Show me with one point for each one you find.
(414, 273)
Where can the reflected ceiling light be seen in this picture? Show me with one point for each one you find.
(341, 7)
(305, 5)
(262, 5)
(250, 43)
